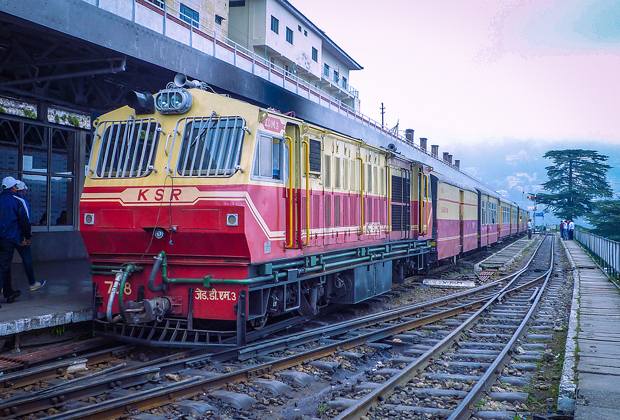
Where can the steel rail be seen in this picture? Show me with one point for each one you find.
(34, 374)
(385, 316)
(462, 411)
(362, 406)
(193, 386)
(171, 365)
(32, 403)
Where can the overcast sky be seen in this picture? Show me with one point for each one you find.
(467, 73)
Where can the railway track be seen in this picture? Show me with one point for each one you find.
(474, 356)
(352, 357)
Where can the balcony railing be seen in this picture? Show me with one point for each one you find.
(164, 18)
(334, 78)
(606, 250)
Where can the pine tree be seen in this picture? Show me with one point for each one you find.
(606, 219)
(576, 178)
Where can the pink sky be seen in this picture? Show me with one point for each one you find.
(477, 71)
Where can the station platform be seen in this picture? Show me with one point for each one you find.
(591, 375)
(66, 298)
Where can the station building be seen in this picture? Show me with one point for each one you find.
(45, 140)
(286, 38)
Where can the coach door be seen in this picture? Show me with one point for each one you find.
(424, 203)
(296, 191)
(461, 217)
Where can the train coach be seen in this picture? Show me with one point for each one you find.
(204, 216)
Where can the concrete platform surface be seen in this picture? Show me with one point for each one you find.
(66, 297)
(597, 371)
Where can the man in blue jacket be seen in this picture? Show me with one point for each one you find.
(24, 251)
(14, 225)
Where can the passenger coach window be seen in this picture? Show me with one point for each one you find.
(271, 159)
(211, 146)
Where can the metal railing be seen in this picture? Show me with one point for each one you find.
(173, 23)
(606, 250)
(164, 18)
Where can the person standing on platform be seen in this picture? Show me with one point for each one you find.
(562, 229)
(14, 230)
(571, 230)
(24, 250)
(529, 229)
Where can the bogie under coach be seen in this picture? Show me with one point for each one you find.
(204, 215)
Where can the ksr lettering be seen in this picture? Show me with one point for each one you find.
(159, 194)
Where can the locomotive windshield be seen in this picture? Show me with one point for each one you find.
(127, 148)
(211, 146)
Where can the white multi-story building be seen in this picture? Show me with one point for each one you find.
(282, 35)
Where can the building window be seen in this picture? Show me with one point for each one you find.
(218, 19)
(344, 82)
(158, 3)
(46, 158)
(189, 15)
(275, 25)
(325, 70)
(305, 33)
(299, 28)
(237, 3)
(336, 76)
(315, 54)
(289, 35)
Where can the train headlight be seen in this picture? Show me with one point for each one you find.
(173, 101)
(159, 233)
(232, 220)
(89, 219)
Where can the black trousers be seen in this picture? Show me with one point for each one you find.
(6, 257)
(26, 254)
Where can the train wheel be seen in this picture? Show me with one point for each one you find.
(259, 323)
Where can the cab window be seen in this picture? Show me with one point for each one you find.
(271, 159)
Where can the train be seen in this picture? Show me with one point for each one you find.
(205, 217)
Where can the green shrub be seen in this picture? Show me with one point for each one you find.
(73, 120)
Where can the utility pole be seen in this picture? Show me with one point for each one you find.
(382, 114)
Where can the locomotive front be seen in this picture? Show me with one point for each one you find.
(167, 217)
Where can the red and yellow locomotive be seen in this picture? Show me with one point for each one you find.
(201, 211)
(198, 207)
